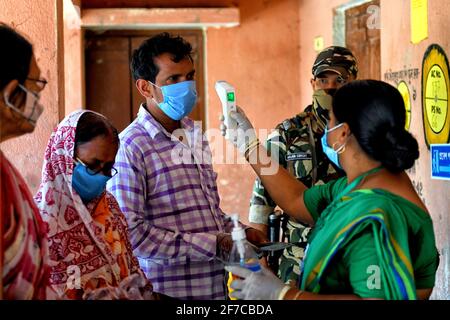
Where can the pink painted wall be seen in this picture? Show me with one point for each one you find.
(73, 57)
(398, 53)
(261, 59)
(41, 22)
(157, 3)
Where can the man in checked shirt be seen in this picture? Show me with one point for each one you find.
(176, 226)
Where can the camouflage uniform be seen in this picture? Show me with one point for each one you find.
(291, 145)
(297, 160)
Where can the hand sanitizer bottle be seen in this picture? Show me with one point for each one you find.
(242, 253)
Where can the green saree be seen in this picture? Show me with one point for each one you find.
(392, 223)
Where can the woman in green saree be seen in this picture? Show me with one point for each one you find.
(373, 237)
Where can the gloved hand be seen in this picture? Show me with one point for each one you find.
(261, 285)
(245, 135)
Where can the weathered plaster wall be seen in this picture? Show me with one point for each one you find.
(73, 57)
(261, 59)
(316, 20)
(397, 54)
(41, 22)
(158, 3)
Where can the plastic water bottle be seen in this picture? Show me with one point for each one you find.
(242, 254)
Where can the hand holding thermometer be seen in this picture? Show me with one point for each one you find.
(227, 97)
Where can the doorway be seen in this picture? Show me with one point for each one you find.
(362, 37)
(357, 27)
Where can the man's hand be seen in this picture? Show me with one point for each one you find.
(224, 245)
(264, 228)
(256, 236)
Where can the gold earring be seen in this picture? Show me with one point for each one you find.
(339, 150)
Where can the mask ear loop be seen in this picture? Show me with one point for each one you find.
(154, 84)
(339, 150)
(28, 94)
(153, 98)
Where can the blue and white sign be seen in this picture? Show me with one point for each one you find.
(440, 161)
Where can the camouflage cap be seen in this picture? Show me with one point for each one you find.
(335, 59)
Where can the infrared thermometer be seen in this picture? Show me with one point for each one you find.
(227, 97)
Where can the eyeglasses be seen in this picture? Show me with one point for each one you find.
(108, 170)
(40, 82)
(326, 81)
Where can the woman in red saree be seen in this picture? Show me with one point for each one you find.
(23, 243)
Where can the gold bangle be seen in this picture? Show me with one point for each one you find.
(252, 147)
(298, 294)
(283, 292)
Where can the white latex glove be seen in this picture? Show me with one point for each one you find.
(261, 285)
(244, 135)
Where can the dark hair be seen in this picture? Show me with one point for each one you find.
(15, 56)
(91, 125)
(375, 113)
(142, 62)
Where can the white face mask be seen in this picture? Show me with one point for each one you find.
(32, 110)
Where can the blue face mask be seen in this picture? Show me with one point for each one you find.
(87, 184)
(179, 99)
(332, 154)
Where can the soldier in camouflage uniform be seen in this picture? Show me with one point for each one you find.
(295, 143)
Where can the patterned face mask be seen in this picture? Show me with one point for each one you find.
(322, 103)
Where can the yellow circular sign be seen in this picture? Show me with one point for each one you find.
(435, 94)
(436, 99)
(404, 91)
